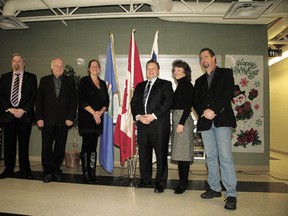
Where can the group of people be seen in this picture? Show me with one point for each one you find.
(56, 105)
(211, 97)
(152, 102)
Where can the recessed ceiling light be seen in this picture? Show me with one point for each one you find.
(11, 22)
(247, 10)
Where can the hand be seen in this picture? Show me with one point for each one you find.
(40, 123)
(180, 129)
(18, 113)
(12, 111)
(209, 114)
(97, 117)
(68, 123)
(146, 119)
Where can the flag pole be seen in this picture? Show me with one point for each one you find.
(133, 156)
(132, 87)
(115, 67)
(106, 151)
(124, 135)
(132, 160)
(155, 56)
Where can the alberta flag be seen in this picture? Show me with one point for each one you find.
(106, 157)
(124, 136)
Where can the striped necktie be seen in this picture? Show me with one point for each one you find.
(146, 91)
(15, 91)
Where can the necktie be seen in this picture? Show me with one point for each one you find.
(146, 91)
(15, 91)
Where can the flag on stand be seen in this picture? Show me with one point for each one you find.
(154, 52)
(124, 136)
(106, 157)
(154, 56)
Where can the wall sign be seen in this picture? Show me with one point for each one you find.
(248, 102)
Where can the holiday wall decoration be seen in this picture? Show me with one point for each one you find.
(247, 102)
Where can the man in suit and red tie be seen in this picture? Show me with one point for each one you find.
(150, 106)
(213, 93)
(18, 90)
(55, 113)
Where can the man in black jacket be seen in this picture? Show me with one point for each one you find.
(212, 101)
(55, 112)
(150, 106)
(18, 90)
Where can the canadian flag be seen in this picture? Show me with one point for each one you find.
(124, 134)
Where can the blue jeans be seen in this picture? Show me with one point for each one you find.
(219, 160)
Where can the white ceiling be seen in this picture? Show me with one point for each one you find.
(200, 11)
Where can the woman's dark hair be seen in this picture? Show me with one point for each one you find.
(182, 64)
(90, 62)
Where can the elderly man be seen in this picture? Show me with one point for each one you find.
(55, 112)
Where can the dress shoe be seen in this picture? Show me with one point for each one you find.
(175, 188)
(142, 184)
(27, 176)
(209, 194)
(86, 178)
(159, 189)
(230, 203)
(48, 178)
(95, 180)
(6, 174)
(58, 177)
(179, 190)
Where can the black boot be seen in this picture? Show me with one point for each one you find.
(184, 174)
(179, 174)
(85, 168)
(92, 172)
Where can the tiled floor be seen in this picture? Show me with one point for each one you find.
(259, 194)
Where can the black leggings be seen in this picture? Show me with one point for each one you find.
(89, 142)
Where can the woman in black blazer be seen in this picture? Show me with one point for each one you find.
(182, 123)
(93, 101)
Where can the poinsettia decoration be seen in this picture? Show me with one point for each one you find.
(249, 136)
(244, 111)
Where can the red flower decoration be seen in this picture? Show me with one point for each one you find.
(249, 136)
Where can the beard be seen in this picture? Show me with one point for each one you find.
(16, 67)
(205, 65)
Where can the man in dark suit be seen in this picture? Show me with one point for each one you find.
(18, 91)
(150, 106)
(212, 101)
(55, 112)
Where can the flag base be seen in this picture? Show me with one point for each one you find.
(131, 177)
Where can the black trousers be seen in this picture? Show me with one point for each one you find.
(53, 147)
(149, 139)
(89, 142)
(14, 131)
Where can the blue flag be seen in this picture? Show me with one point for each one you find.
(106, 157)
